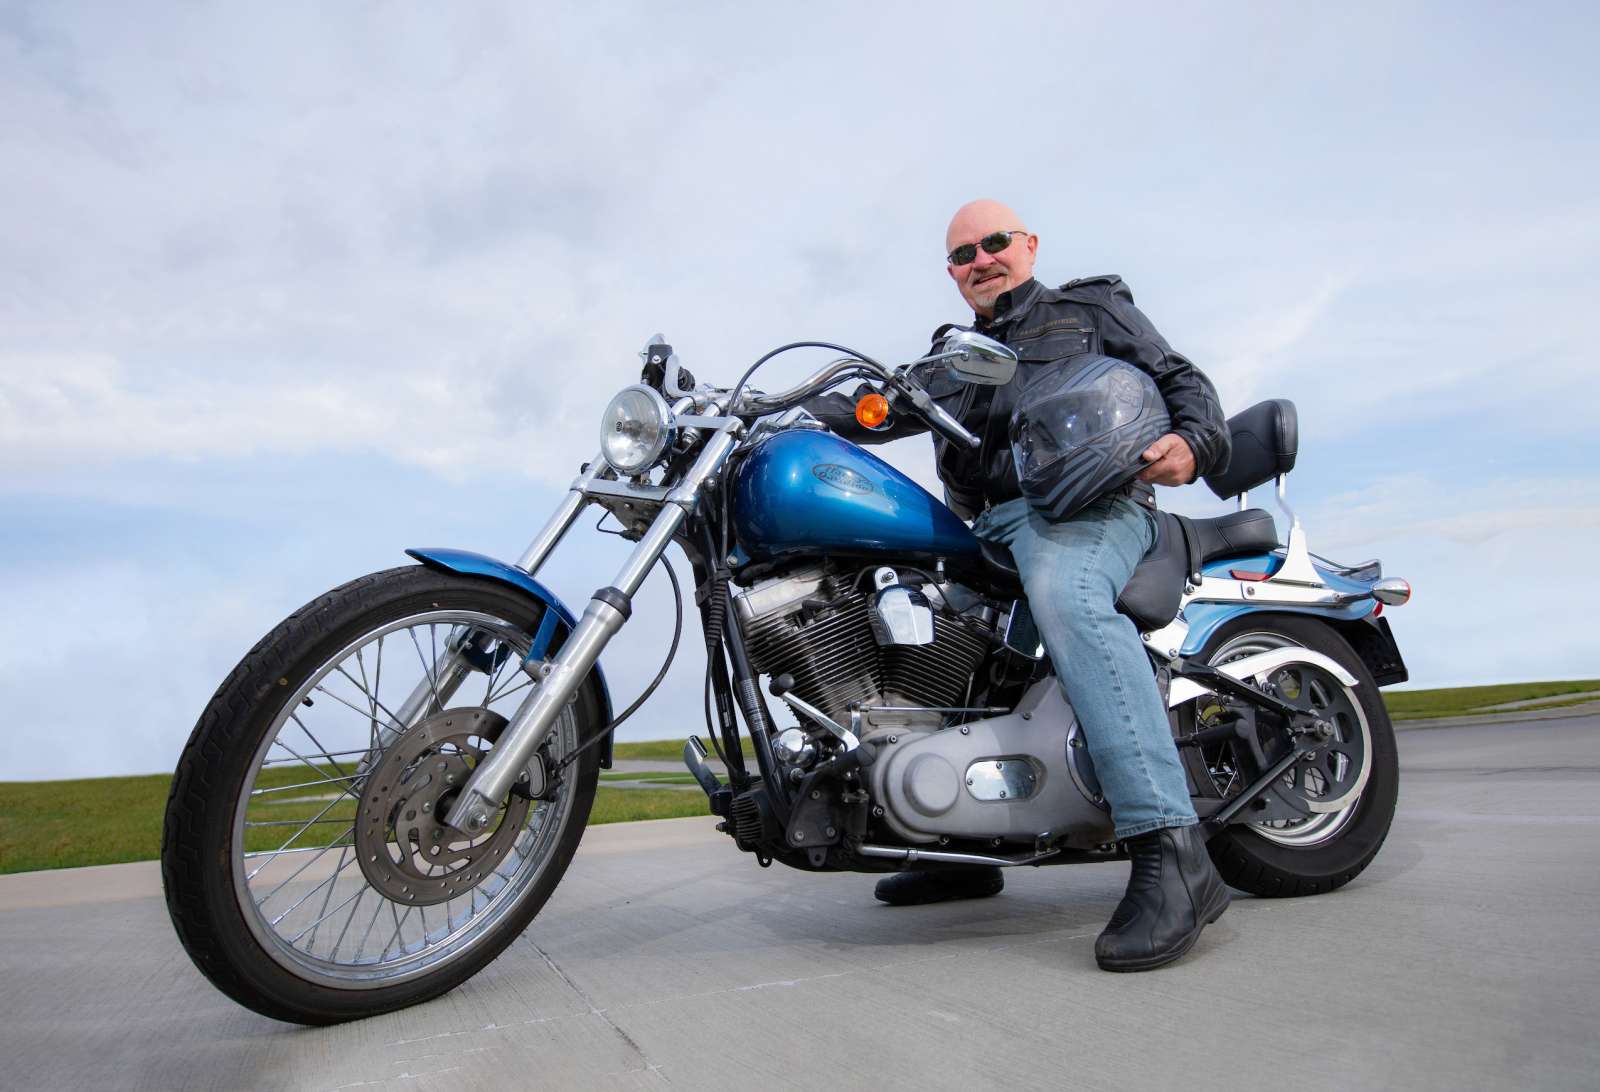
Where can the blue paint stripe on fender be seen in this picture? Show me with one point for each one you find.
(1206, 618)
(468, 563)
(542, 639)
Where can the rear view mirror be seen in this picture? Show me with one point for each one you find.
(973, 358)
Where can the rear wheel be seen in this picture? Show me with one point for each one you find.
(306, 869)
(1349, 790)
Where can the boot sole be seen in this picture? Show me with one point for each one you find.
(1150, 963)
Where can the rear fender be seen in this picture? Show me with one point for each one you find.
(1368, 634)
(557, 623)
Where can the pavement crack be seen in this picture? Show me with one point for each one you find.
(893, 964)
(486, 1027)
(408, 1076)
(597, 1011)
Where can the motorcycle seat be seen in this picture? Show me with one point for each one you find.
(1182, 545)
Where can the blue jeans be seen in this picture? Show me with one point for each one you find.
(1073, 572)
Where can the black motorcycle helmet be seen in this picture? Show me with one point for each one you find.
(1079, 428)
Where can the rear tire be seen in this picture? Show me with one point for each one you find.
(228, 935)
(1251, 860)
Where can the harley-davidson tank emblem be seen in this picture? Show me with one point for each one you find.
(842, 477)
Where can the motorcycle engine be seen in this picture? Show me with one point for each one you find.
(815, 624)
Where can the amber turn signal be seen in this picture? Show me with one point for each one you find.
(872, 411)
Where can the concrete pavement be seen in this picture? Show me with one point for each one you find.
(1465, 957)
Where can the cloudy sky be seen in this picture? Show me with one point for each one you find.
(287, 288)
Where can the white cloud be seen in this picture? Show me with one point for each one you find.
(429, 242)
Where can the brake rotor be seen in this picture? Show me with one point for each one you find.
(405, 849)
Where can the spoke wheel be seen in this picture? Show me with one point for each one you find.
(348, 732)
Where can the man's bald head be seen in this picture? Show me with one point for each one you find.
(982, 280)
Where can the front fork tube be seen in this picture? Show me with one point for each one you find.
(434, 692)
(609, 608)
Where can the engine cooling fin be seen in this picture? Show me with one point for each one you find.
(836, 661)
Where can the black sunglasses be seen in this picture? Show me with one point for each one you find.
(967, 253)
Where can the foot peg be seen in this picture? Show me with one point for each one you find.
(694, 757)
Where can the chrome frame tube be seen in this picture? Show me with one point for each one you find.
(825, 377)
(909, 855)
(492, 779)
(561, 520)
(453, 670)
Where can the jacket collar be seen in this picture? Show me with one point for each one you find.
(1009, 304)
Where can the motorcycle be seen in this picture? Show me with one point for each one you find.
(389, 786)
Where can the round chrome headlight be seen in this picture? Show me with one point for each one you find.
(635, 430)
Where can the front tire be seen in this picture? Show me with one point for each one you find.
(286, 747)
(1329, 850)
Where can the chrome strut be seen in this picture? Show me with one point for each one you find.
(560, 679)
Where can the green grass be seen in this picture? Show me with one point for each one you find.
(684, 778)
(107, 820)
(60, 824)
(659, 750)
(1460, 700)
(627, 805)
(65, 824)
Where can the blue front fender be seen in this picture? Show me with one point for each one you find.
(558, 620)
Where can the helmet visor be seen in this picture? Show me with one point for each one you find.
(1065, 413)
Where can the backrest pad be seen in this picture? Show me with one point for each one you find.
(1266, 439)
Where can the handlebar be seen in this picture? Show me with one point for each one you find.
(898, 381)
(843, 368)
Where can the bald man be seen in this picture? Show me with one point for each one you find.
(1074, 570)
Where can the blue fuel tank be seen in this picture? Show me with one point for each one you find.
(809, 493)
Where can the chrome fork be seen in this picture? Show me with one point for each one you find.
(608, 609)
(452, 670)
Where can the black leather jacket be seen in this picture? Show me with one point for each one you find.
(1089, 315)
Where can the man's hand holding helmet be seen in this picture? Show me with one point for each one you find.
(1171, 461)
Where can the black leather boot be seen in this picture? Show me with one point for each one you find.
(1173, 893)
(916, 888)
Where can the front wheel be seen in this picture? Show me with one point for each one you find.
(1350, 789)
(306, 869)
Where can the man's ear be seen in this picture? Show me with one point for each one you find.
(950, 269)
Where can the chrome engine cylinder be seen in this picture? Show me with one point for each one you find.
(816, 625)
